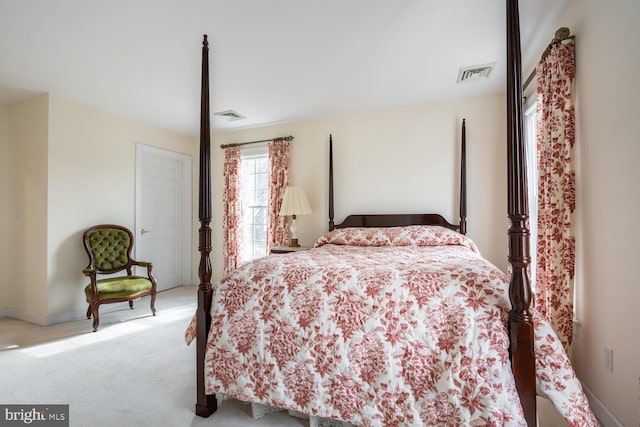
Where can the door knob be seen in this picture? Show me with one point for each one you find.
(143, 231)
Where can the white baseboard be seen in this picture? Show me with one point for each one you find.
(67, 316)
(604, 416)
(41, 320)
(25, 316)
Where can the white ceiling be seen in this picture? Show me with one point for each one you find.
(272, 61)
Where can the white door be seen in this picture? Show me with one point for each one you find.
(163, 214)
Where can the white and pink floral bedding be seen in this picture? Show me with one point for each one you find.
(379, 327)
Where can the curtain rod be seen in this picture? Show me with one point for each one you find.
(561, 35)
(238, 144)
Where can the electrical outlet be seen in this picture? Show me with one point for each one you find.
(607, 358)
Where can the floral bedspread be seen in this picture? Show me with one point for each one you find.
(379, 327)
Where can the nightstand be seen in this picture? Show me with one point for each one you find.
(287, 249)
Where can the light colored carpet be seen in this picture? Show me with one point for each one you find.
(135, 371)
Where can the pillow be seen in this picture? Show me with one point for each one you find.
(410, 235)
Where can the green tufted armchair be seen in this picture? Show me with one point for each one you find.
(109, 249)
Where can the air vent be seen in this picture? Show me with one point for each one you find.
(475, 73)
(230, 115)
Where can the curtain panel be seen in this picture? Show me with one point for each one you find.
(556, 189)
(232, 210)
(278, 182)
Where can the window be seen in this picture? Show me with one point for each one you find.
(254, 175)
(531, 153)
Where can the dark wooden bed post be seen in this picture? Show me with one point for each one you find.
(205, 404)
(331, 212)
(521, 334)
(463, 179)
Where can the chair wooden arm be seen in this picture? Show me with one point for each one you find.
(140, 263)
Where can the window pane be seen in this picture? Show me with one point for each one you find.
(248, 184)
(255, 197)
(261, 234)
(262, 163)
(262, 197)
(531, 153)
(247, 214)
(260, 215)
(262, 180)
(259, 249)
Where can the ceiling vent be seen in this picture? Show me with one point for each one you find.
(475, 73)
(230, 115)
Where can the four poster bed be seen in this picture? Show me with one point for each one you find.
(388, 319)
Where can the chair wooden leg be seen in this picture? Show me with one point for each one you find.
(153, 303)
(96, 319)
(89, 311)
(131, 304)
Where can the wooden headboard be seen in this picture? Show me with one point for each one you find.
(397, 220)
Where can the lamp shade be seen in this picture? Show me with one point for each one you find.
(295, 202)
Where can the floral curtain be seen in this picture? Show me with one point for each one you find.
(556, 189)
(232, 210)
(278, 182)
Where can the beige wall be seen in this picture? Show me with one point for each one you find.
(92, 159)
(608, 64)
(27, 207)
(70, 166)
(399, 161)
(4, 205)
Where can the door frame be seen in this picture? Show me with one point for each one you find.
(187, 181)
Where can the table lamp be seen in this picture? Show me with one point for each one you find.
(294, 203)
